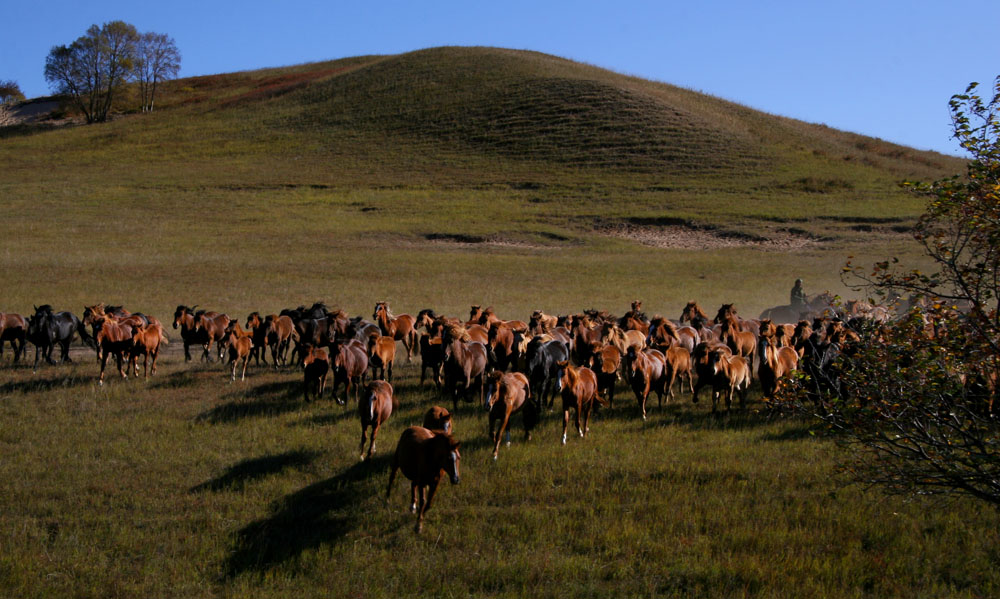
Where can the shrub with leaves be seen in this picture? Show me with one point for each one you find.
(916, 398)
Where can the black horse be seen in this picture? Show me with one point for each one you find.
(543, 368)
(46, 329)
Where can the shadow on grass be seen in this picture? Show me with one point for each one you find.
(317, 515)
(49, 383)
(238, 475)
(177, 380)
(234, 411)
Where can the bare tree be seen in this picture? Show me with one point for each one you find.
(157, 60)
(93, 69)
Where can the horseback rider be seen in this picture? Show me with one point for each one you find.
(798, 295)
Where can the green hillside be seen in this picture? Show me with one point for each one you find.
(456, 152)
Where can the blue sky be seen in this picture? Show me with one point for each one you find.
(881, 68)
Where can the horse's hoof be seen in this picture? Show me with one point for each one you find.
(564, 440)
(494, 457)
(508, 443)
(413, 509)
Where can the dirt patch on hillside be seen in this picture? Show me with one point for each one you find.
(473, 241)
(22, 113)
(687, 237)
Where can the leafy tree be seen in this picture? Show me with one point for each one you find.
(10, 92)
(94, 68)
(916, 398)
(157, 60)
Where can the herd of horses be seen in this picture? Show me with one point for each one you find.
(509, 366)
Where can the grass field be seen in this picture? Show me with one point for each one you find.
(440, 179)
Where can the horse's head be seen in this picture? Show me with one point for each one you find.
(379, 310)
(724, 313)
(493, 389)
(180, 315)
(253, 320)
(452, 459)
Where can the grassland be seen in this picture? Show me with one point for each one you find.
(440, 179)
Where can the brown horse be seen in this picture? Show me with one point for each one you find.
(702, 365)
(438, 419)
(607, 363)
(431, 356)
(350, 365)
(280, 334)
(727, 311)
(13, 328)
(691, 311)
(775, 363)
(216, 327)
(579, 392)
(585, 335)
(401, 328)
(541, 323)
(729, 374)
(374, 409)
(239, 343)
(381, 354)
(424, 456)
(647, 372)
(742, 343)
(488, 317)
(146, 340)
(115, 339)
(507, 394)
(255, 324)
(316, 365)
(500, 345)
(677, 365)
(464, 365)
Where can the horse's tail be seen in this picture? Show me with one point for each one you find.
(599, 399)
(87, 339)
(163, 337)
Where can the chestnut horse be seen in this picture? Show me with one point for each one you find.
(374, 409)
(507, 394)
(216, 327)
(146, 340)
(381, 354)
(239, 343)
(702, 365)
(400, 328)
(115, 339)
(691, 311)
(607, 363)
(775, 363)
(13, 328)
(424, 456)
(438, 419)
(647, 372)
(187, 320)
(579, 392)
(742, 343)
(729, 374)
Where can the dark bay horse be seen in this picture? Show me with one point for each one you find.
(46, 329)
(424, 456)
(13, 328)
(316, 366)
(464, 365)
(187, 319)
(349, 360)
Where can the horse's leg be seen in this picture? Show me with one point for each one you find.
(500, 432)
(187, 351)
(361, 448)
(104, 363)
(246, 361)
(390, 371)
(565, 424)
(416, 490)
(120, 360)
(392, 478)
(586, 417)
(426, 505)
(371, 446)
(579, 409)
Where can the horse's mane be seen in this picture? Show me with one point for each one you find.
(457, 331)
(43, 308)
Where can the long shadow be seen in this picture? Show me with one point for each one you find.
(177, 380)
(238, 475)
(36, 384)
(317, 515)
(234, 411)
